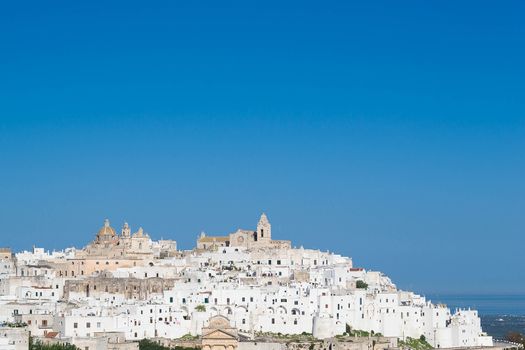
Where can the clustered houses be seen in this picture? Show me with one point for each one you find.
(128, 284)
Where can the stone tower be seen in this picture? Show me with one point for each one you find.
(126, 231)
(264, 229)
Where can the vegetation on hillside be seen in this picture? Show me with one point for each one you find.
(14, 324)
(415, 344)
(289, 337)
(188, 337)
(38, 345)
(350, 332)
(515, 337)
(146, 344)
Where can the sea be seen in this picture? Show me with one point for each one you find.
(500, 314)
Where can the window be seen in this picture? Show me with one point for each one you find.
(295, 321)
(88, 324)
(278, 262)
(75, 325)
(273, 320)
(243, 321)
(98, 324)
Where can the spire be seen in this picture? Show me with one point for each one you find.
(263, 219)
(106, 222)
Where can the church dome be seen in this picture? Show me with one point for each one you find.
(106, 230)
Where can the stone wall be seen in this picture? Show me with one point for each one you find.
(131, 288)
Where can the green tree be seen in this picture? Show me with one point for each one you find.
(146, 344)
(361, 284)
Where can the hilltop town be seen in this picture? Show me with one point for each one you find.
(231, 291)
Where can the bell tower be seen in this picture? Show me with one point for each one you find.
(126, 231)
(264, 229)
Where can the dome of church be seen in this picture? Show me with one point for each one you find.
(106, 230)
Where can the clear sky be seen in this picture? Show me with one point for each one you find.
(393, 132)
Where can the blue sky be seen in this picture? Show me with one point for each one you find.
(390, 132)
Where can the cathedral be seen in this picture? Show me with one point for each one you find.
(108, 244)
(109, 251)
(260, 238)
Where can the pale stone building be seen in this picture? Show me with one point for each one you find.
(260, 238)
(219, 335)
(14, 338)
